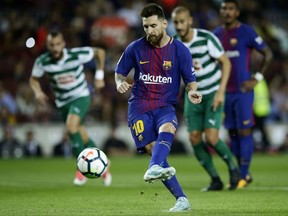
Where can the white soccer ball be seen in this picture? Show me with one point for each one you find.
(92, 162)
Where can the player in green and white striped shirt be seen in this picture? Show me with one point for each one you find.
(206, 118)
(65, 71)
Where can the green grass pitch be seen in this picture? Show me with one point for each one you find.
(44, 187)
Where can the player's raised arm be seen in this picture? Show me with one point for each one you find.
(121, 84)
(99, 56)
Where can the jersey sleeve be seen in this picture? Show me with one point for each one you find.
(186, 66)
(255, 41)
(37, 70)
(125, 63)
(215, 47)
(84, 54)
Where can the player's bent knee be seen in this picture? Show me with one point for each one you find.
(195, 137)
(211, 139)
(71, 128)
(167, 127)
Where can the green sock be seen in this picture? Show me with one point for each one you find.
(77, 143)
(90, 143)
(225, 153)
(205, 159)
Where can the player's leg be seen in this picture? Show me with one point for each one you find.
(87, 141)
(246, 152)
(157, 172)
(167, 124)
(143, 132)
(72, 125)
(182, 203)
(80, 107)
(74, 113)
(230, 122)
(172, 184)
(235, 144)
(212, 137)
(212, 123)
(84, 104)
(245, 124)
(195, 116)
(72, 122)
(159, 153)
(204, 157)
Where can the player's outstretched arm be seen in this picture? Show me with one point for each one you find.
(194, 96)
(121, 84)
(40, 96)
(99, 56)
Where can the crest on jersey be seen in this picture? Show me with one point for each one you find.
(167, 65)
(233, 41)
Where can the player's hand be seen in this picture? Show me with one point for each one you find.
(42, 98)
(218, 100)
(123, 87)
(194, 96)
(99, 84)
(248, 85)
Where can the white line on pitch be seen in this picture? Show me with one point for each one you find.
(267, 188)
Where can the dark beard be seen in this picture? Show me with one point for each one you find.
(57, 57)
(155, 40)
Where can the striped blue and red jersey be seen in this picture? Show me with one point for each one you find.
(157, 74)
(238, 44)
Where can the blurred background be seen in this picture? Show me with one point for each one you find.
(30, 130)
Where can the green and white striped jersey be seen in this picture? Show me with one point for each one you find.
(66, 75)
(205, 49)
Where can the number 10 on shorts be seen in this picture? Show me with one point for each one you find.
(138, 127)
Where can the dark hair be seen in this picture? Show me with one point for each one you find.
(232, 1)
(55, 33)
(151, 10)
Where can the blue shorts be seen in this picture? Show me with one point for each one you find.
(239, 110)
(144, 128)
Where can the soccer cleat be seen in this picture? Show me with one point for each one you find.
(182, 204)
(241, 184)
(156, 172)
(235, 179)
(79, 179)
(107, 178)
(249, 179)
(215, 185)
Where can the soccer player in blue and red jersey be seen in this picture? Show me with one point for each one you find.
(238, 40)
(159, 62)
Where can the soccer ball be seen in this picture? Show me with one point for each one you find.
(92, 162)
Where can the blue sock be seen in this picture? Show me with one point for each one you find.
(161, 148)
(246, 145)
(173, 185)
(235, 145)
